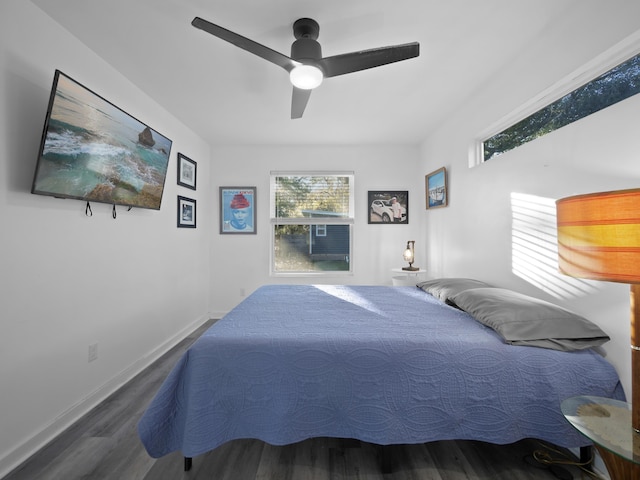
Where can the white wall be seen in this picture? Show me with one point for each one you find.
(497, 204)
(241, 262)
(133, 285)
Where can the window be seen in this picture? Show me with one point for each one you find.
(299, 244)
(615, 85)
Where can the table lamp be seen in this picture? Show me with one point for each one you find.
(409, 256)
(599, 239)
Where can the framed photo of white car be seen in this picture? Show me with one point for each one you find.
(388, 206)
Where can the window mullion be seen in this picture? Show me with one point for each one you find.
(312, 221)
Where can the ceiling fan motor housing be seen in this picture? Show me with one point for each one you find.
(306, 48)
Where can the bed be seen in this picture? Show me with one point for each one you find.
(382, 364)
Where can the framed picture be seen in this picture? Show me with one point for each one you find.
(187, 170)
(437, 194)
(238, 210)
(186, 212)
(388, 206)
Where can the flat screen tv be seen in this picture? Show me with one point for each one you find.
(92, 150)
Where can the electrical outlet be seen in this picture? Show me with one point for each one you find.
(93, 352)
(242, 292)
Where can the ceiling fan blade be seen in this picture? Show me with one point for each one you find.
(299, 101)
(356, 61)
(246, 44)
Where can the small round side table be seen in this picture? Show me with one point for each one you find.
(607, 423)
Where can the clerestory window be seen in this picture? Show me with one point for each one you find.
(615, 85)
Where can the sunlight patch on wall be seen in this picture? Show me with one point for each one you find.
(534, 247)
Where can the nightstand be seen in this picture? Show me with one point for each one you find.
(407, 277)
(607, 423)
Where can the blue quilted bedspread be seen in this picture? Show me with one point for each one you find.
(381, 364)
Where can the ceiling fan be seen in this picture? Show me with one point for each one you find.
(306, 66)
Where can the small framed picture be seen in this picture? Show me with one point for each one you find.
(388, 206)
(436, 189)
(238, 210)
(187, 170)
(186, 212)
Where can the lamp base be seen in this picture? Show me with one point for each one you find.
(410, 268)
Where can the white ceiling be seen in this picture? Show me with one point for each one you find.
(229, 96)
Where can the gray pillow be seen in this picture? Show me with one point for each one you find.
(523, 320)
(445, 288)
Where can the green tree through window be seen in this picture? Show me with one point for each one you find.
(622, 81)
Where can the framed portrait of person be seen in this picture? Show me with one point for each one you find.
(238, 210)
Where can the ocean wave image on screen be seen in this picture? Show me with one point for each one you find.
(96, 152)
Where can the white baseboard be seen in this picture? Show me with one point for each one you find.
(217, 315)
(22, 452)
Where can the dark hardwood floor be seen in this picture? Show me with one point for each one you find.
(104, 445)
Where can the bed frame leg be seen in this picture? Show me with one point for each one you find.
(188, 461)
(386, 456)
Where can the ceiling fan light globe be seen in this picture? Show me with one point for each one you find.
(306, 77)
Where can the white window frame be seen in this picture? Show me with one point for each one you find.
(321, 230)
(349, 220)
(619, 53)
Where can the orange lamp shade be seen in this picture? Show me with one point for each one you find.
(599, 236)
